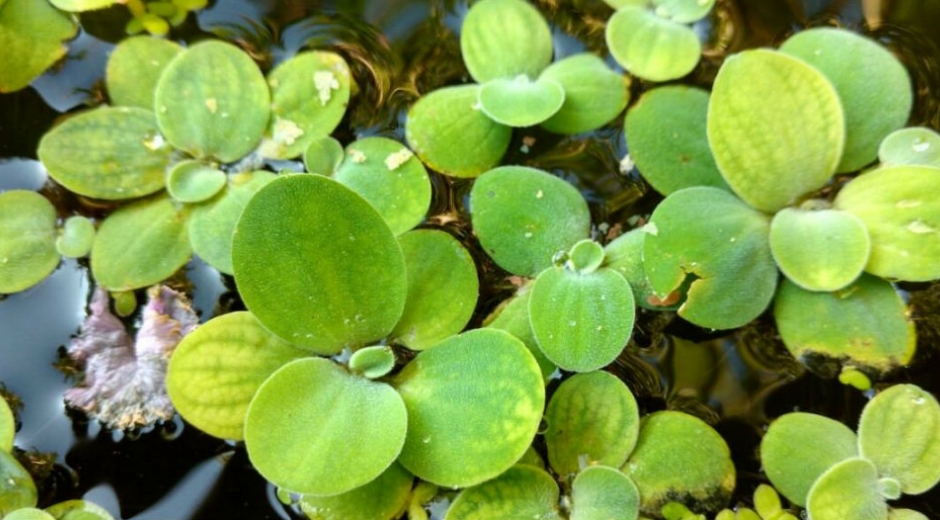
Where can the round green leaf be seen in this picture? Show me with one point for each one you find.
(850, 489)
(524, 216)
(18, 490)
(625, 255)
(309, 94)
(513, 317)
(585, 257)
(678, 457)
(520, 102)
(505, 39)
(666, 136)
(108, 153)
(7, 426)
(594, 94)
(821, 250)
(776, 127)
(76, 238)
(451, 134)
(215, 371)
(134, 68)
(27, 240)
(915, 145)
(317, 265)
(866, 322)
(650, 46)
(212, 101)
(905, 514)
(603, 492)
(212, 224)
(683, 11)
(799, 447)
(372, 362)
(32, 36)
(581, 321)
(474, 404)
(194, 181)
(865, 75)
(521, 492)
(709, 236)
(902, 217)
(314, 428)
(382, 499)
(29, 513)
(140, 244)
(899, 432)
(767, 502)
(442, 288)
(323, 156)
(385, 173)
(592, 418)
(78, 510)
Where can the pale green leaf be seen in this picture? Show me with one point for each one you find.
(18, 490)
(625, 255)
(27, 240)
(905, 514)
(512, 316)
(32, 35)
(372, 362)
(323, 156)
(7, 426)
(850, 489)
(520, 102)
(83, 5)
(683, 11)
(29, 513)
(76, 238)
(652, 47)
(603, 492)
(194, 181)
(382, 499)
(505, 39)
(521, 492)
(915, 145)
(594, 94)
(134, 68)
(585, 257)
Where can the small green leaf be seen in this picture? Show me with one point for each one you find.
(134, 68)
(513, 317)
(592, 419)
(521, 492)
(18, 490)
(905, 514)
(382, 499)
(7, 426)
(450, 133)
(767, 502)
(32, 36)
(107, 153)
(683, 11)
(850, 489)
(799, 447)
(194, 181)
(519, 102)
(625, 255)
(474, 404)
(776, 127)
(524, 216)
(212, 101)
(899, 432)
(76, 238)
(313, 428)
(125, 303)
(27, 240)
(83, 5)
(594, 94)
(603, 492)
(650, 46)
(585, 257)
(29, 513)
(140, 244)
(916, 145)
(504, 39)
(78, 510)
(372, 362)
(216, 370)
(323, 156)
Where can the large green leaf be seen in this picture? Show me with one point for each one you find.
(27, 240)
(519, 101)
(594, 94)
(650, 46)
(216, 370)
(474, 404)
(382, 499)
(134, 68)
(524, 216)
(915, 145)
(850, 489)
(212, 101)
(107, 153)
(604, 492)
(31, 36)
(7, 426)
(505, 39)
(776, 127)
(523, 491)
(313, 428)
(18, 489)
(865, 75)
(317, 265)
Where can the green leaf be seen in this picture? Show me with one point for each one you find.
(799, 447)
(592, 418)
(678, 457)
(83, 5)
(212, 101)
(215, 371)
(902, 219)
(666, 136)
(767, 502)
(107, 153)
(867, 322)
(585, 257)
(524, 216)
(474, 404)
(581, 321)
(372, 362)
(865, 75)
(513, 316)
(899, 432)
(134, 68)
(504, 39)
(76, 238)
(521, 492)
(385, 173)
(822, 250)
(18, 490)
(617, 4)
(313, 428)
(850, 489)
(27, 240)
(29, 513)
(652, 47)
(625, 255)
(450, 133)
(78, 510)
(212, 224)
(603, 492)
(776, 127)
(140, 244)
(683, 11)
(905, 514)
(332, 275)
(382, 499)
(520, 102)
(309, 94)
(442, 288)
(194, 181)
(7, 426)
(31, 36)
(594, 94)
(323, 156)
(915, 145)
(710, 236)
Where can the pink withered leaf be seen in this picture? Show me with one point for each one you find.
(125, 380)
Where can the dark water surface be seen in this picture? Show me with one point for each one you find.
(399, 50)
